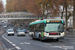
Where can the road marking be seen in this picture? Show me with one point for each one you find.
(11, 48)
(25, 43)
(11, 43)
(47, 44)
(21, 43)
(63, 47)
(14, 44)
(17, 47)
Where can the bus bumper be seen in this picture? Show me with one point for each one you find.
(44, 38)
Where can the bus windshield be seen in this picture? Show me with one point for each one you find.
(54, 27)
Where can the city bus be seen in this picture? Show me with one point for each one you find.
(47, 29)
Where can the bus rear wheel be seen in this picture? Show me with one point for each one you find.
(40, 38)
(33, 37)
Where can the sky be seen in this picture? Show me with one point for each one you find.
(4, 2)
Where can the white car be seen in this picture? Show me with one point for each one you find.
(10, 32)
(20, 32)
(5, 26)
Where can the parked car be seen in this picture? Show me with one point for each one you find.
(10, 32)
(20, 32)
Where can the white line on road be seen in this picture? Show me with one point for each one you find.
(17, 47)
(26, 42)
(11, 49)
(47, 44)
(21, 43)
(14, 44)
(11, 43)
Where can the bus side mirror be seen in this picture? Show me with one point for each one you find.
(63, 23)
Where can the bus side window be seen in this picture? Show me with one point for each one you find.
(32, 28)
(41, 27)
(37, 27)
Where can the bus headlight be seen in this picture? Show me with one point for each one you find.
(44, 33)
(63, 33)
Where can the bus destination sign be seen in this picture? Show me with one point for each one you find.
(54, 21)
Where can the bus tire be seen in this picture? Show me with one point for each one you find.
(40, 38)
(33, 37)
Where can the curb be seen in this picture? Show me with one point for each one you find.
(2, 32)
(72, 36)
(2, 45)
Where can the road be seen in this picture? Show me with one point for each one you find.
(26, 43)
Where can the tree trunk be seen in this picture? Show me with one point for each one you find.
(62, 12)
(66, 12)
(74, 14)
(47, 14)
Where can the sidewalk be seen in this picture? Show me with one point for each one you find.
(1, 32)
(70, 36)
(1, 46)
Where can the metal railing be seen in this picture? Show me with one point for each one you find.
(18, 15)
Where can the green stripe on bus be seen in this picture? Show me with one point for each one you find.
(42, 33)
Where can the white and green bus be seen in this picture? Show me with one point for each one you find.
(47, 29)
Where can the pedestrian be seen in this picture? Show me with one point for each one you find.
(67, 29)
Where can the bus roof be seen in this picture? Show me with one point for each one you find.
(43, 21)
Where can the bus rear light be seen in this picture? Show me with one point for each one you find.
(53, 33)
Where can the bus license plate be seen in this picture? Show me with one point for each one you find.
(54, 38)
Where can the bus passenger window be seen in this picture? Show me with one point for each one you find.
(37, 27)
(42, 27)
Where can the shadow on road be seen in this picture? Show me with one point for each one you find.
(49, 41)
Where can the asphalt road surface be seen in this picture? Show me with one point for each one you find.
(26, 43)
